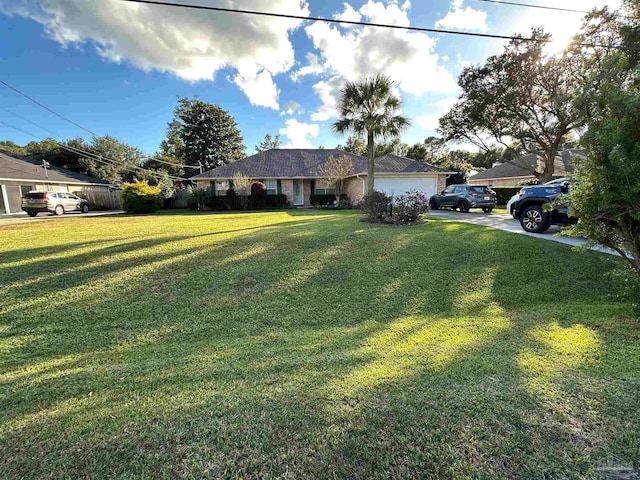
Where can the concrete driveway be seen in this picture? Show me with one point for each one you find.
(16, 218)
(504, 221)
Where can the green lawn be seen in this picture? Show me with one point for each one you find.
(309, 345)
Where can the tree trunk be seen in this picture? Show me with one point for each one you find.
(371, 151)
(549, 164)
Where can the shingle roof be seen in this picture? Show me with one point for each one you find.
(16, 167)
(307, 163)
(524, 166)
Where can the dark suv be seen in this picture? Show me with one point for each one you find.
(465, 197)
(530, 208)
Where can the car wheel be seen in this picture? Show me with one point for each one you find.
(32, 214)
(533, 219)
(85, 208)
(487, 209)
(464, 206)
(59, 210)
(433, 204)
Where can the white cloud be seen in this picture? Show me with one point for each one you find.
(192, 45)
(349, 14)
(463, 18)
(313, 67)
(437, 109)
(258, 85)
(299, 134)
(292, 108)
(409, 58)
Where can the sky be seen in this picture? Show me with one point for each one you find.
(118, 68)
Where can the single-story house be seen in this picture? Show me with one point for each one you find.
(19, 175)
(511, 173)
(297, 173)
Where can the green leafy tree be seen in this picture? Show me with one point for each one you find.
(519, 96)
(355, 145)
(369, 107)
(605, 195)
(203, 134)
(12, 147)
(427, 150)
(268, 143)
(115, 160)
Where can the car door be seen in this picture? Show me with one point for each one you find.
(73, 201)
(445, 198)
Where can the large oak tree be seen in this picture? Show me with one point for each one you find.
(521, 97)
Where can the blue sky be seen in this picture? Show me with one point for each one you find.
(117, 68)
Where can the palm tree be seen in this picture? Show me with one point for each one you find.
(370, 107)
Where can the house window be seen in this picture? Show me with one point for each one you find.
(321, 188)
(272, 187)
(221, 187)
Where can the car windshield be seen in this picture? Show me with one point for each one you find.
(480, 189)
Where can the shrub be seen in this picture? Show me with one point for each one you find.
(258, 189)
(260, 202)
(504, 194)
(322, 200)
(528, 182)
(234, 201)
(407, 208)
(375, 206)
(140, 197)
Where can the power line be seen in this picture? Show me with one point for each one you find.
(18, 91)
(47, 108)
(365, 24)
(30, 121)
(544, 7)
(99, 158)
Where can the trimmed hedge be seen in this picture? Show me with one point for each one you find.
(505, 193)
(233, 201)
(322, 200)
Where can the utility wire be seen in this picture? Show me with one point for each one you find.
(48, 109)
(544, 7)
(19, 92)
(99, 158)
(366, 24)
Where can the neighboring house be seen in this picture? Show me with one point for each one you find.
(19, 175)
(297, 173)
(510, 174)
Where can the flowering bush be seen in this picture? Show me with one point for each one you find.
(407, 208)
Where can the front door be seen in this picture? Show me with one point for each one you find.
(298, 192)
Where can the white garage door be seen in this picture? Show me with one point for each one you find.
(400, 185)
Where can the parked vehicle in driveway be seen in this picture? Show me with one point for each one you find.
(465, 197)
(511, 204)
(58, 203)
(530, 207)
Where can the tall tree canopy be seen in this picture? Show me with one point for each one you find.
(203, 134)
(369, 107)
(115, 159)
(268, 143)
(519, 96)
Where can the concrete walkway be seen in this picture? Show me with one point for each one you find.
(504, 221)
(16, 218)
